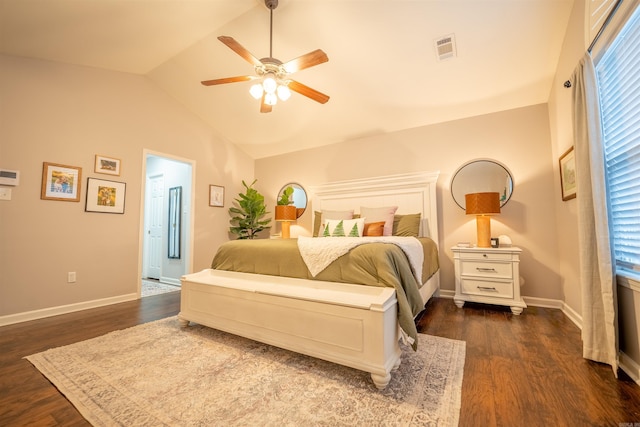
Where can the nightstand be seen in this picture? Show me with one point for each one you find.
(488, 275)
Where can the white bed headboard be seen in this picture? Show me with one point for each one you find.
(411, 192)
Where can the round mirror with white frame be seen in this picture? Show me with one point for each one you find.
(299, 197)
(479, 176)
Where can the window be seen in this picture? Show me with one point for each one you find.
(618, 77)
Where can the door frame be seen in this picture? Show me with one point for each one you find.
(141, 229)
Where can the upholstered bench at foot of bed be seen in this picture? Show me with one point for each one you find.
(352, 325)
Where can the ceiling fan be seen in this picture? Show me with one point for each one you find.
(276, 83)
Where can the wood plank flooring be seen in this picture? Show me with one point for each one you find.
(519, 370)
(528, 369)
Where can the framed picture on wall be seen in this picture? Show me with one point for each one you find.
(60, 182)
(107, 165)
(568, 174)
(105, 196)
(216, 196)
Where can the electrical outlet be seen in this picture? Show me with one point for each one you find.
(71, 277)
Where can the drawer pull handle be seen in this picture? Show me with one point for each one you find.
(486, 288)
(493, 270)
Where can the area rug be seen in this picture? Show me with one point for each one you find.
(151, 287)
(159, 374)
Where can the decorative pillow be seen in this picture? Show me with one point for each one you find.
(320, 216)
(407, 225)
(343, 228)
(317, 220)
(373, 229)
(381, 214)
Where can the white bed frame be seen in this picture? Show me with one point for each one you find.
(412, 193)
(349, 324)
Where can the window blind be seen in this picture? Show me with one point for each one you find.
(618, 75)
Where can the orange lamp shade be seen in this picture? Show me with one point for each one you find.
(483, 205)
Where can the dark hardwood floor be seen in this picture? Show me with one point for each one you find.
(26, 397)
(519, 370)
(528, 370)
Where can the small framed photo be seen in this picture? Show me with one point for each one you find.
(60, 182)
(107, 165)
(105, 196)
(568, 181)
(216, 196)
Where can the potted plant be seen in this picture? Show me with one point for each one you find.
(286, 211)
(248, 213)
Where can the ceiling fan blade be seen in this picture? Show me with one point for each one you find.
(264, 107)
(240, 50)
(228, 80)
(308, 92)
(305, 61)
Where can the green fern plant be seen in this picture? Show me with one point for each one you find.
(248, 212)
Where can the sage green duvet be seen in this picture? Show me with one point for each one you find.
(373, 264)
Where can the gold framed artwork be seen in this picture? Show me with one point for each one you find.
(60, 182)
(216, 196)
(568, 181)
(105, 196)
(107, 165)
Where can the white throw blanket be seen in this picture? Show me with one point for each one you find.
(319, 252)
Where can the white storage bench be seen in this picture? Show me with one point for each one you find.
(353, 325)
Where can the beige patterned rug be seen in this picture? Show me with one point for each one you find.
(158, 374)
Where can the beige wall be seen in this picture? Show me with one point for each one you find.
(560, 120)
(518, 138)
(66, 114)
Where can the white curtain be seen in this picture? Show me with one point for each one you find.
(597, 274)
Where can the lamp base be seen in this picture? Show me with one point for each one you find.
(286, 229)
(483, 226)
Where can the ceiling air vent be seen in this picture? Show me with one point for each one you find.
(446, 47)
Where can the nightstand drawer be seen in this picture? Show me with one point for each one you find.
(486, 288)
(487, 256)
(493, 270)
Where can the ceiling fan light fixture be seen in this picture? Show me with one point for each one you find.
(270, 99)
(283, 92)
(275, 84)
(256, 91)
(269, 83)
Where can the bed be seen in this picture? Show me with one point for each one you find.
(332, 313)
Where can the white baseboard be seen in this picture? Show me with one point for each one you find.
(629, 366)
(572, 315)
(170, 281)
(543, 302)
(445, 293)
(63, 309)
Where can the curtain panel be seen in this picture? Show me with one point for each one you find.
(597, 272)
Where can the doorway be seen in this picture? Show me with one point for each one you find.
(167, 222)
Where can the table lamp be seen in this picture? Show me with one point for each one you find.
(285, 214)
(483, 205)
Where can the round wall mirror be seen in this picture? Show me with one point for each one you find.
(479, 176)
(299, 197)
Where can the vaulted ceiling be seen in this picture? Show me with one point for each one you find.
(383, 73)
